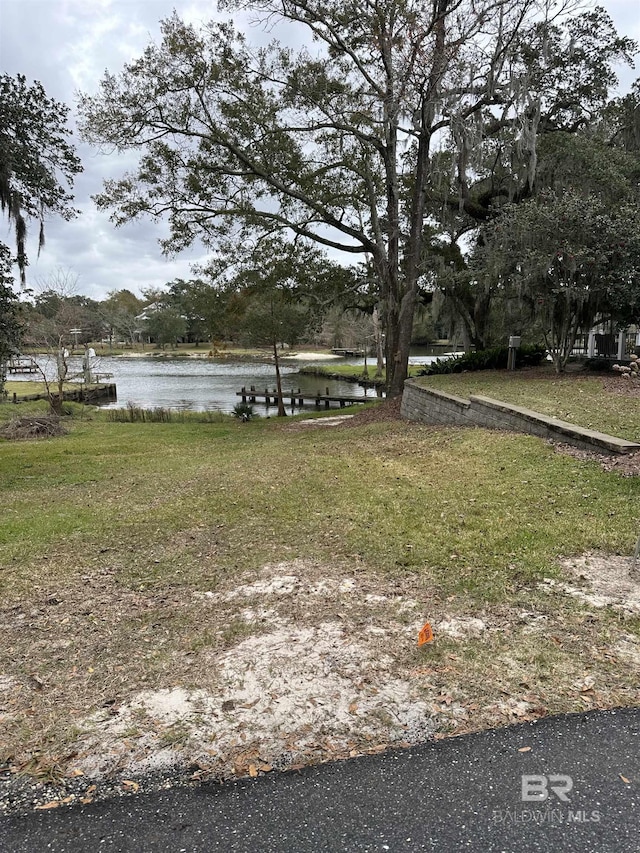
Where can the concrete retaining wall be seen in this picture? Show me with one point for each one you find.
(429, 406)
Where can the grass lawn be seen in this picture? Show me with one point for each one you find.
(110, 536)
(27, 387)
(586, 399)
(355, 372)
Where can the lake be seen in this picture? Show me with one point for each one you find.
(211, 384)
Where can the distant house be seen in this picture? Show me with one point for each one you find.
(604, 341)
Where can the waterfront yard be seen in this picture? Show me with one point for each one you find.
(230, 598)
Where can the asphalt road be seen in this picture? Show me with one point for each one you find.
(459, 794)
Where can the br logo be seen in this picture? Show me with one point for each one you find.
(536, 788)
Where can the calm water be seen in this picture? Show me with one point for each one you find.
(205, 385)
(210, 385)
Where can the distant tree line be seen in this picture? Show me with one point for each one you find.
(468, 156)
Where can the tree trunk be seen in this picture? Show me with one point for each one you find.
(378, 339)
(415, 244)
(281, 410)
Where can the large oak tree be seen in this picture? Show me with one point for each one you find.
(340, 141)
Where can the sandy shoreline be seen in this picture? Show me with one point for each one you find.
(289, 356)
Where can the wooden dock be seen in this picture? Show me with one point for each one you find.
(21, 365)
(348, 353)
(297, 398)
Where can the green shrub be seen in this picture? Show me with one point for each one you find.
(487, 359)
(243, 411)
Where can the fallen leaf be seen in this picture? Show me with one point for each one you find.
(253, 771)
(353, 707)
(422, 670)
(51, 805)
(76, 772)
(265, 768)
(128, 785)
(624, 779)
(525, 749)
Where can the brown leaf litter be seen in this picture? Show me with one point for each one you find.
(296, 664)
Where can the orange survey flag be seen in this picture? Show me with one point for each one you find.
(425, 635)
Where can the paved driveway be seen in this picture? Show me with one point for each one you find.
(580, 792)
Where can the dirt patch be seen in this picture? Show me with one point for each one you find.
(385, 410)
(102, 687)
(607, 581)
(616, 384)
(280, 698)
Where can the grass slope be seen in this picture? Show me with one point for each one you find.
(108, 534)
(475, 509)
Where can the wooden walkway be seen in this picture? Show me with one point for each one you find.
(297, 398)
(21, 365)
(349, 353)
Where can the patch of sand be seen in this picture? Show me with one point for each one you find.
(459, 628)
(284, 585)
(610, 581)
(310, 356)
(324, 422)
(629, 649)
(292, 694)
(281, 697)
(7, 683)
(298, 663)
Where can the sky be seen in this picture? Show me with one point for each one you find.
(67, 45)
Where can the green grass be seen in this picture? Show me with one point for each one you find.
(477, 511)
(108, 533)
(582, 399)
(353, 371)
(28, 386)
